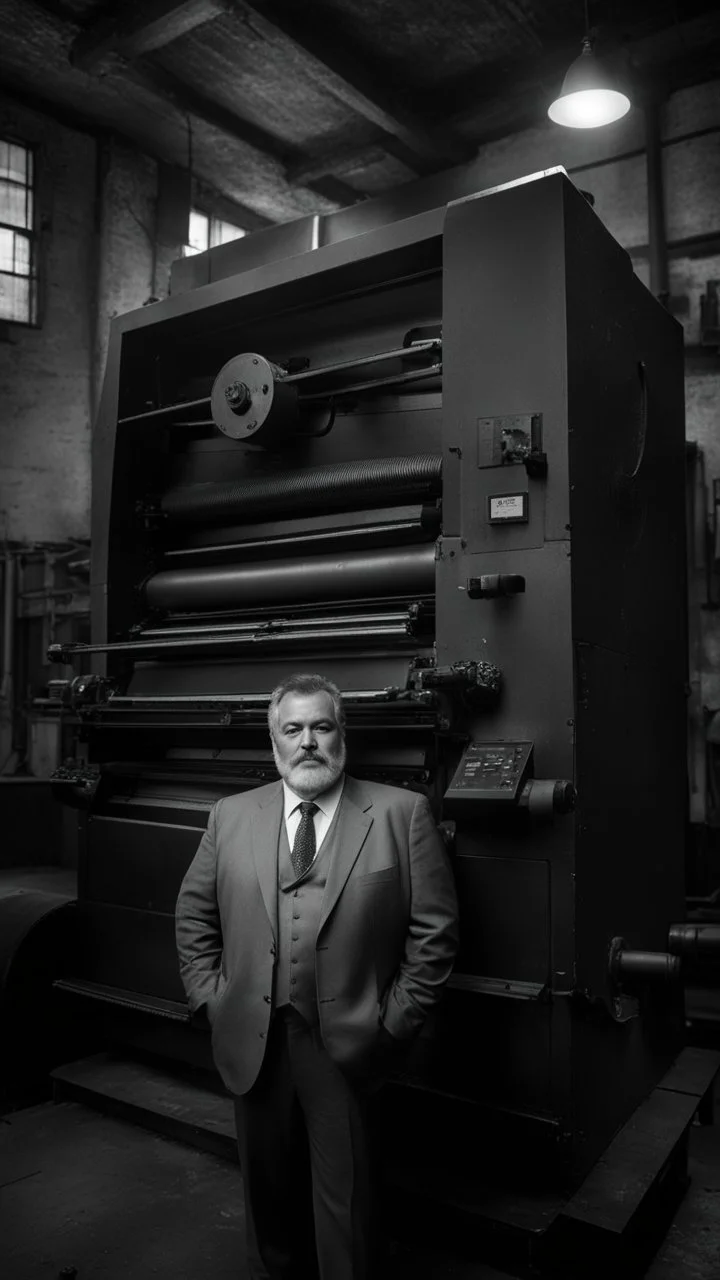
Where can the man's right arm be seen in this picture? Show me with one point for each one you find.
(197, 923)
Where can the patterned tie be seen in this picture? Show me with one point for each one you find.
(303, 850)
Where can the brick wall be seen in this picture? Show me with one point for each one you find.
(98, 258)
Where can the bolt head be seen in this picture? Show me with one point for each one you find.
(238, 396)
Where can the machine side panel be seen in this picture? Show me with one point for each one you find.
(504, 337)
(628, 540)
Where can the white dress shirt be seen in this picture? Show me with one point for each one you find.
(327, 803)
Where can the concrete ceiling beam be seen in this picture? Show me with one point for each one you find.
(197, 105)
(133, 30)
(344, 79)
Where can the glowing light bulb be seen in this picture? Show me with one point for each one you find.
(589, 108)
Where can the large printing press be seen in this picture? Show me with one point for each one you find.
(442, 462)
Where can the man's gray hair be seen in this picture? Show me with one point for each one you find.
(305, 684)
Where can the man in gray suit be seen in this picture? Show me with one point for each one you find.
(317, 927)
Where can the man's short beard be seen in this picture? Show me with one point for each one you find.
(314, 783)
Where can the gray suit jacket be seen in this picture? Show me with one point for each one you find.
(387, 936)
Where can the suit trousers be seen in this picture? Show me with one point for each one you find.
(302, 1105)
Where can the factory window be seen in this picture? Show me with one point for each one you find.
(206, 232)
(18, 275)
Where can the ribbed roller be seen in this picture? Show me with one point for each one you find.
(342, 485)
(397, 571)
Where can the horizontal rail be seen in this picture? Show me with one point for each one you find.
(171, 1009)
(390, 693)
(394, 380)
(257, 638)
(298, 539)
(512, 989)
(284, 624)
(168, 408)
(328, 370)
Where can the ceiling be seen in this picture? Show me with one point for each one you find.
(288, 108)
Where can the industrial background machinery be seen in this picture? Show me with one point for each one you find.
(442, 462)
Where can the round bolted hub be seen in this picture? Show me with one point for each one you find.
(250, 402)
(238, 396)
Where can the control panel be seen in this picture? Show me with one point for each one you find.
(490, 772)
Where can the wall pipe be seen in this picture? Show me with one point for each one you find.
(8, 638)
(657, 237)
(7, 674)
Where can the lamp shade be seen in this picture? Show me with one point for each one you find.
(588, 97)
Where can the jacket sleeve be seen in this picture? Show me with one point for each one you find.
(432, 938)
(197, 923)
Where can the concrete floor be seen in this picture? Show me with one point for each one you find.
(85, 1191)
(107, 1200)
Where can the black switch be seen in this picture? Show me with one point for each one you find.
(490, 586)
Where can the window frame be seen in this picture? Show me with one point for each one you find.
(30, 233)
(212, 219)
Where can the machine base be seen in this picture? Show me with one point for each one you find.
(613, 1222)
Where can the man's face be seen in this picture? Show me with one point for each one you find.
(308, 743)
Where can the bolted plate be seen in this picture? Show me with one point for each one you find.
(249, 402)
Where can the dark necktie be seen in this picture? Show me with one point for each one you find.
(303, 850)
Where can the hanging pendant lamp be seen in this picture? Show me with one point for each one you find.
(588, 98)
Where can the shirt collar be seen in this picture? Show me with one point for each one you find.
(325, 802)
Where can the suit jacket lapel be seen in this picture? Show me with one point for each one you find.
(265, 837)
(354, 823)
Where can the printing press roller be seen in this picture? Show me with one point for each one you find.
(344, 486)
(397, 571)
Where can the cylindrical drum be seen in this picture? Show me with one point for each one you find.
(396, 571)
(339, 486)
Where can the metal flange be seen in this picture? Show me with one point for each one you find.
(250, 402)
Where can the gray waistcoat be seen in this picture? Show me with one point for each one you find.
(299, 909)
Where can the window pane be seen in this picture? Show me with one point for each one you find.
(199, 231)
(18, 164)
(13, 205)
(13, 162)
(221, 232)
(22, 254)
(6, 249)
(14, 298)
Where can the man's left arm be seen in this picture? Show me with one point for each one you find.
(432, 938)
